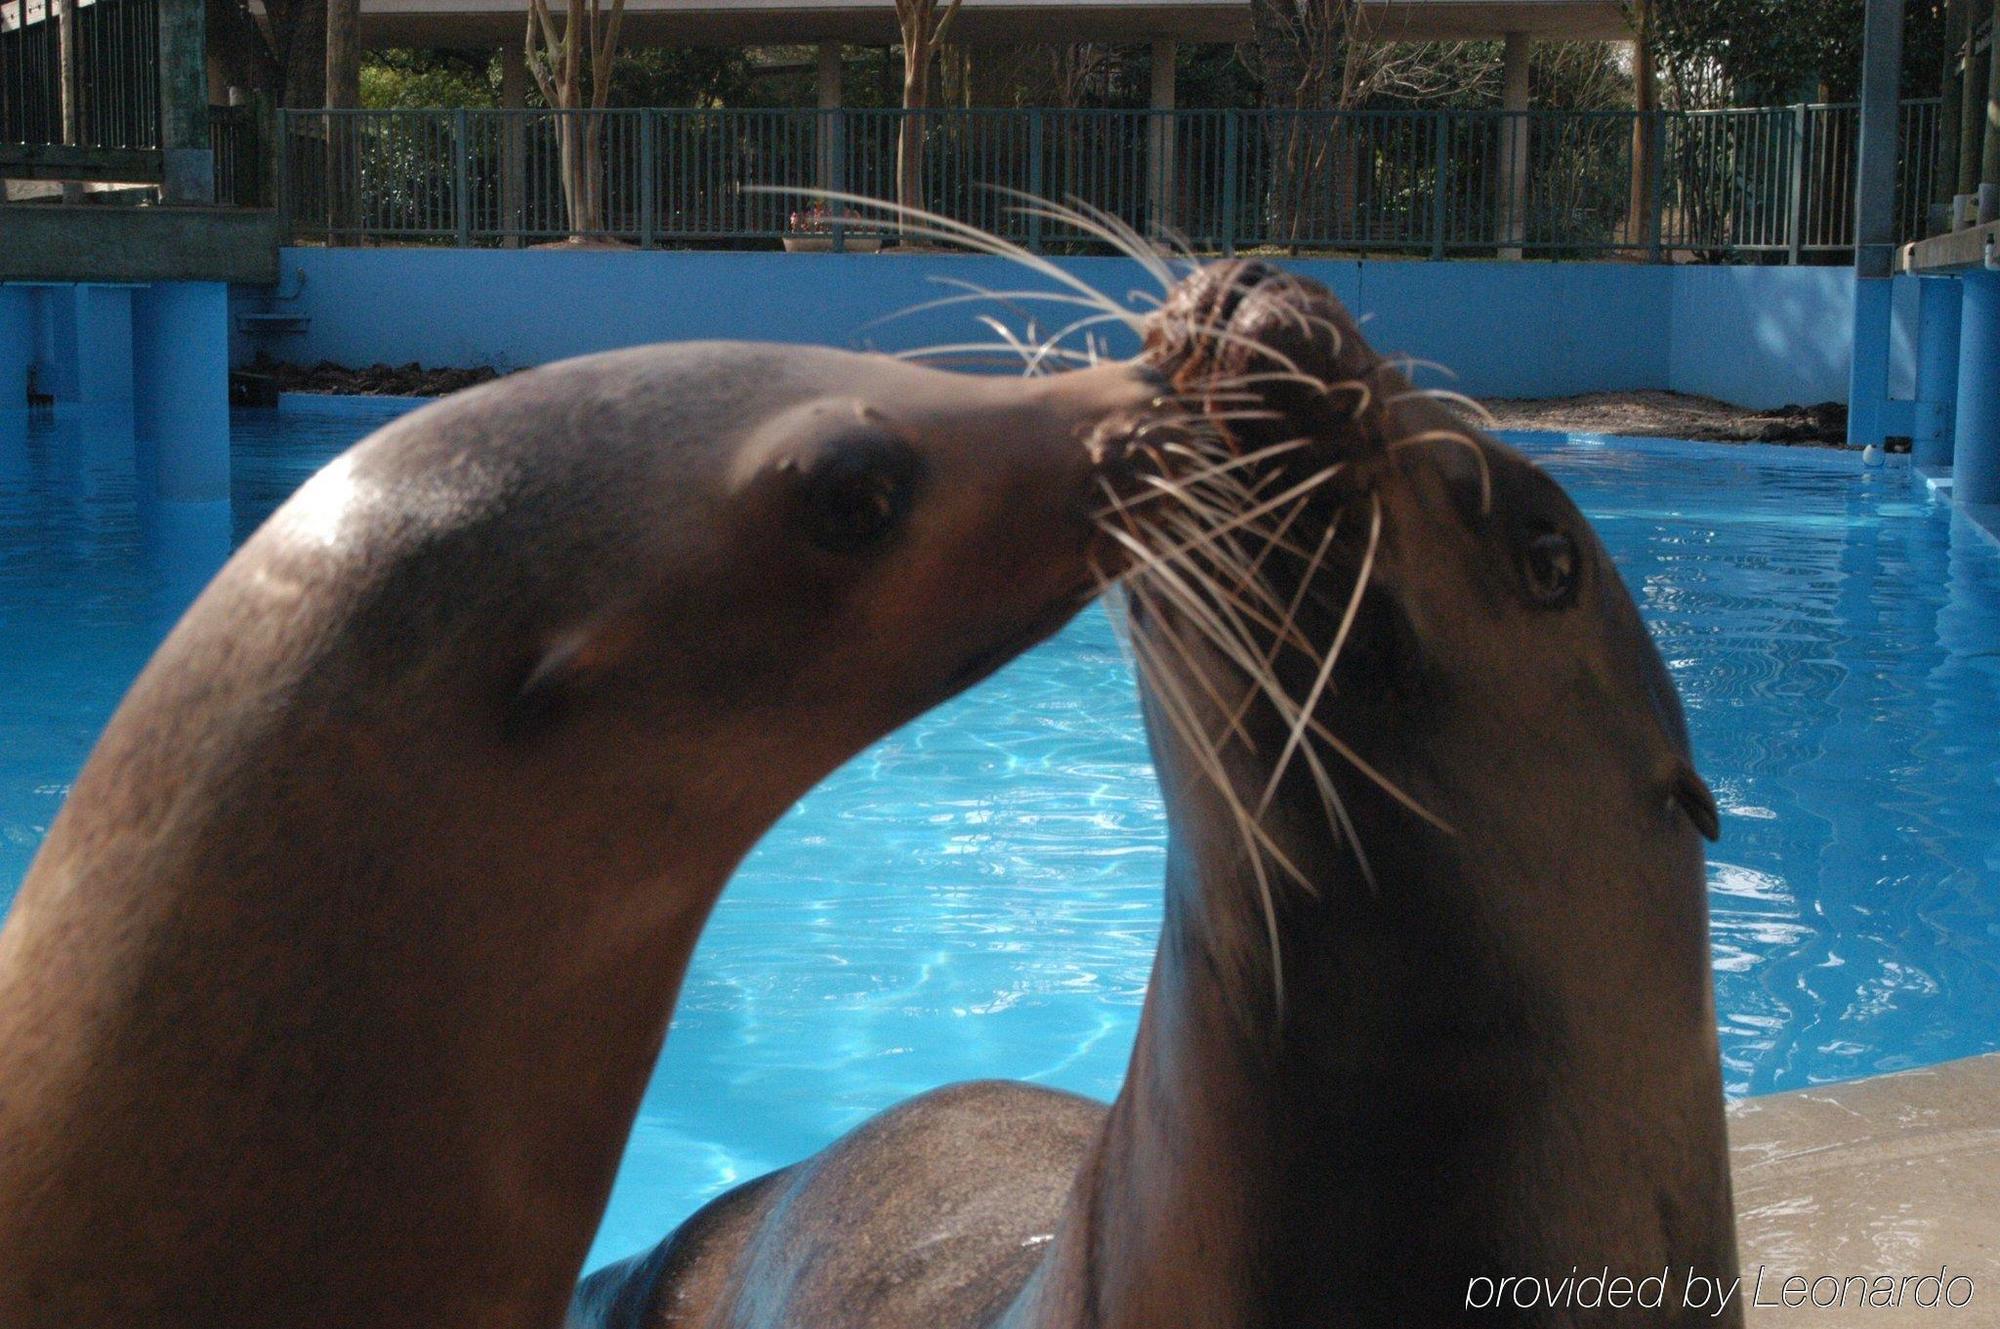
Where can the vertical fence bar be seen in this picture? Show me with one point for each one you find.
(1745, 181)
(1442, 170)
(1037, 144)
(461, 178)
(1656, 224)
(1795, 223)
(1232, 151)
(284, 164)
(649, 179)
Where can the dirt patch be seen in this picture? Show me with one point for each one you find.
(262, 381)
(1639, 414)
(1674, 415)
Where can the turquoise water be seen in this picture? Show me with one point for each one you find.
(978, 895)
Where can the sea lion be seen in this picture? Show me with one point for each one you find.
(330, 998)
(1431, 1026)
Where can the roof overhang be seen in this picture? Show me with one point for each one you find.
(478, 23)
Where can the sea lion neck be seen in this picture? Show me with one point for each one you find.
(332, 994)
(369, 1071)
(1420, 1110)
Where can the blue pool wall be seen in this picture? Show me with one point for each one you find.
(1759, 337)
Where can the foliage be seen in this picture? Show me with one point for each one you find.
(398, 80)
(688, 76)
(1765, 52)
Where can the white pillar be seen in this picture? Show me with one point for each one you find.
(17, 352)
(103, 353)
(180, 351)
(513, 141)
(1160, 142)
(829, 76)
(831, 176)
(1514, 143)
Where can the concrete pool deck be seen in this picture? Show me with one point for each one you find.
(1897, 1175)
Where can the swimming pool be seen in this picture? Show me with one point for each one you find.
(978, 895)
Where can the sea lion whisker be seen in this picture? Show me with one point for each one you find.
(1408, 365)
(1311, 482)
(976, 347)
(1178, 246)
(1233, 563)
(1225, 336)
(1245, 380)
(1141, 250)
(1237, 461)
(1478, 409)
(1464, 441)
(1231, 727)
(938, 226)
(1180, 714)
(1054, 340)
(1009, 336)
(1387, 785)
(1332, 658)
(1103, 225)
(1275, 540)
(1210, 614)
(1228, 637)
(972, 294)
(1291, 614)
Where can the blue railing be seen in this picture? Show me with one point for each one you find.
(1763, 181)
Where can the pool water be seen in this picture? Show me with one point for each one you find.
(978, 895)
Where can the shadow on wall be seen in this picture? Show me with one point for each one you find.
(1757, 337)
(1769, 336)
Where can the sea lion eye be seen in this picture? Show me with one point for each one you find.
(855, 495)
(1549, 565)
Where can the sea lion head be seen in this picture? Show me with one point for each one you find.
(670, 586)
(1433, 811)
(1439, 648)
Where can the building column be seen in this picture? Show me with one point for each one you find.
(832, 144)
(1940, 310)
(830, 76)
(1989, 170)
(17, 353)
(1160, 144)
(513, 142)
(1973, 100)
(1976, 466)
(1514, 129)
(1875, 224)
(103, 382)
(1868, 375)
(180, 354)
(187, 163)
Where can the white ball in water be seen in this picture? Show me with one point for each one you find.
(1871, 455)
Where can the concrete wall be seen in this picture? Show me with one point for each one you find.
(1755, 336)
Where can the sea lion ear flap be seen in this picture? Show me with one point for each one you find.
(565, 669)
(1693, 798)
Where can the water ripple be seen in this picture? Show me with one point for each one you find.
(979, 894)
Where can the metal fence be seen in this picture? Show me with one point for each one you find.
(1775, 181)
(116, 78)
(239, 156)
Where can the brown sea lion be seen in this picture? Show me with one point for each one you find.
(330, 997)
(1432, 1006)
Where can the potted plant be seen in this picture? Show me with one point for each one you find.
(810, 231)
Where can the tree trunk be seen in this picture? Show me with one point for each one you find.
(910, 133)
(1305, 48)
(924, 30)
(1645, 101)
(558, 66)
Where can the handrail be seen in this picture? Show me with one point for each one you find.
(1725, 184)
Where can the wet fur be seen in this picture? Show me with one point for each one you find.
(1432, 999)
